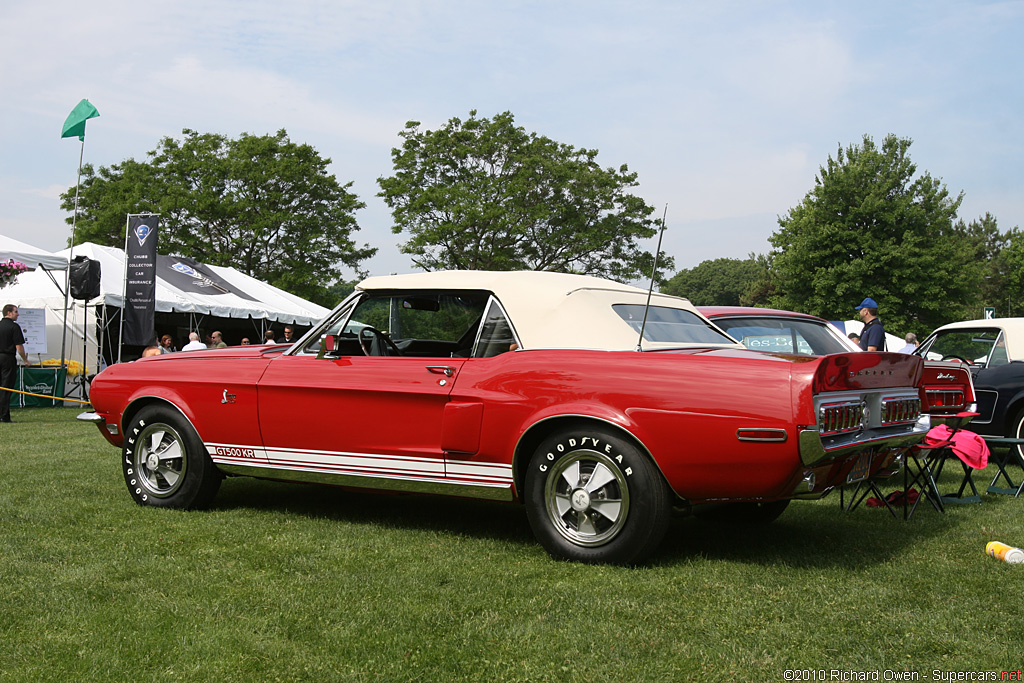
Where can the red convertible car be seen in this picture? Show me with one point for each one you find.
(599, 408)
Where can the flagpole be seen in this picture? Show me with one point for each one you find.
(124, 288)
(74, 126)
(71, 254)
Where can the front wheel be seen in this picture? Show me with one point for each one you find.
(592, 496)
(165, 463)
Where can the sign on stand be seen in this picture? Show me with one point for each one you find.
(33, 324)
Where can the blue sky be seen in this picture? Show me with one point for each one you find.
(726, 110)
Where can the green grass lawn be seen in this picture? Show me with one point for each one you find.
(282, 582)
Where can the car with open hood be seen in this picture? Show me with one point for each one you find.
(600, 407)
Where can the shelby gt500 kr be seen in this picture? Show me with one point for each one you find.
(598, 408)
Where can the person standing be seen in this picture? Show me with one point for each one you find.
(911, 340)
(872, 337)
(12, 344)
(193, 343)
(217, 341)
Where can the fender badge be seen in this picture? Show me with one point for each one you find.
(227, 398)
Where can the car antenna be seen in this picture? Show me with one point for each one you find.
(654, 274)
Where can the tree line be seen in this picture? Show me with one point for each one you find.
(873, 226)
(484, 193)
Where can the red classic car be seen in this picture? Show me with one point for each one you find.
(566, 393)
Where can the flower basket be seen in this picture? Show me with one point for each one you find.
(9, 272)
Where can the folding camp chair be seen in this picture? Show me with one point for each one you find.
(1012, 457)
(918, 470)
(958, 498)
(935, 456)
(866, 487)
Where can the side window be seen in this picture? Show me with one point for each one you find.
(330, 339)
(496, 335)
(999, 356)
(415, 323)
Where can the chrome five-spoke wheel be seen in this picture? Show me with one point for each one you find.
(587, 498)
(159, 459)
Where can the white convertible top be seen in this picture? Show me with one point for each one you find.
(549, 310)
(1013, 331)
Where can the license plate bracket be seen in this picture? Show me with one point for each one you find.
(861, 469)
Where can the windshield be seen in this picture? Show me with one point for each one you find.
(980, 346)
(783, 335)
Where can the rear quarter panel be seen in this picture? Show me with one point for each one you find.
(684, 407)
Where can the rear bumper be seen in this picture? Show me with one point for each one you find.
(815, 450)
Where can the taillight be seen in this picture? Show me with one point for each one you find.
(945, 399)
(838, 418)
(900, 410)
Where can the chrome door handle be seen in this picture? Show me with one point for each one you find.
(445, 370)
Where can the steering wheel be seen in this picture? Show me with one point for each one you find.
(953, 356)
(373, 342)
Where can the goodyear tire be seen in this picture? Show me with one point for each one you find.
(592, 496)
(165, 463)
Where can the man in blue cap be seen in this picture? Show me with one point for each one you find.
(872, 337)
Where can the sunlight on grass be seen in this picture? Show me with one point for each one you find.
(299, 583)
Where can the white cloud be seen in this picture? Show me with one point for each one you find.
(726, 109)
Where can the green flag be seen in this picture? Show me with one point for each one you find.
(74, 125)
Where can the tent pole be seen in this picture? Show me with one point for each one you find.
(71, 254)
(124, 289)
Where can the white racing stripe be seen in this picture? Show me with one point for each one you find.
(363, 464)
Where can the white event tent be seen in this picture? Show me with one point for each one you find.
(189, 296)
(13, 250)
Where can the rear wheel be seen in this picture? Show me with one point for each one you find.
(165, 463)
(592, 496)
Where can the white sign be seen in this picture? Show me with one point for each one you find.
(33, 325)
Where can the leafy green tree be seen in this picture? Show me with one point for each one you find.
(485, 194)
(719, 282)
(990, 246)
(262, 204)
(870, 227)
(1009, 301)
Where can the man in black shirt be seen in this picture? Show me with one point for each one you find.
(12, 340)
(289, 335)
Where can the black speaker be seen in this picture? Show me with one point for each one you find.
(85, 278)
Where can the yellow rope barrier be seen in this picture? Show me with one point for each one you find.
(55, 398)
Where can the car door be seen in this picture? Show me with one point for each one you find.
(329, 407)
(357, 415)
